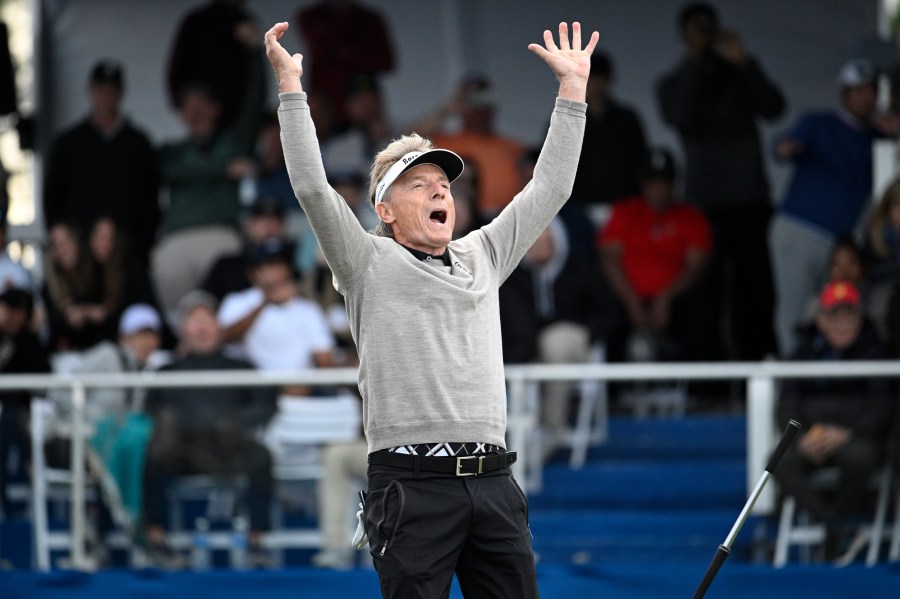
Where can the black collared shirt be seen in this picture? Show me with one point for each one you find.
(420, 255)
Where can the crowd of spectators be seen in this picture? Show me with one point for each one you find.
(652, 266)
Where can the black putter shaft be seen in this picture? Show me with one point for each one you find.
(725, 548)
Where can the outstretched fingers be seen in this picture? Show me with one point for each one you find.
(592, 43)
(548, 41)
(564, 36)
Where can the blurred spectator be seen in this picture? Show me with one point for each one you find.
(274, 326)
(205, 431)
(121, 430)
(210, 47)
(580, 230)
(126, 282)
(845, 263)
(201, 174)
(342, 465)
(344, 39)
(80, 312)
(263, 221)
(846, 421)
(272, 177)
(655, 250)
(105, 167)
(882, 241)
(21, 352)
(496, 157)
(12, 274)
(831, 152)
(882, 254)
(713, 99)
(465, 200)
(349, 152)
(364, 103)
(614, 147)
(553, 308)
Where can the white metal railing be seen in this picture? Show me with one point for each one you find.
(760, 379)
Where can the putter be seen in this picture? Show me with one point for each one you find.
(721, 555)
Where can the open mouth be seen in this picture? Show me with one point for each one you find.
(438, 216)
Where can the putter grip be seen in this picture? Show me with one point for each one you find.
(711, 571)
(790, 432)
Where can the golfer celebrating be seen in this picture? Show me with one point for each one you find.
(424, 314)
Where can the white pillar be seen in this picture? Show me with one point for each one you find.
(760, 437)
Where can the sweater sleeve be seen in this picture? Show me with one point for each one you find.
(509, 236)
(343, 240)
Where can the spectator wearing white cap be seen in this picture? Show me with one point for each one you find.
(831, 152)
(121, 431)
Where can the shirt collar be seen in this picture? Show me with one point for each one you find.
(420, 255)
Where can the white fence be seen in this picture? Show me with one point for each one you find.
(760, 379)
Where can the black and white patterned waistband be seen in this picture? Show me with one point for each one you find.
(447, 449)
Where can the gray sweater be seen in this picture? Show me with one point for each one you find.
(431, 365)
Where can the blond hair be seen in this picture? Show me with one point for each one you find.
(384, 160)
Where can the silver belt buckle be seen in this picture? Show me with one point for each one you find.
(459, 462)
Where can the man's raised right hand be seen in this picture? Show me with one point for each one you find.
(288, 69)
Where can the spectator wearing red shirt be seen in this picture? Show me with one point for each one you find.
(654, 250)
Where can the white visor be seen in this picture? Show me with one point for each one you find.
(447, 161)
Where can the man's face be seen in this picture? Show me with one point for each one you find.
(200, 332)
(270, 274)
(700, 33)
(264, 226)
(420, 209)
(657, 191)
(860, 101)
(143, 344)
(105, 98)
(200, 113)
(840, 326)
(12, 320)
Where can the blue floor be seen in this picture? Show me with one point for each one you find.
(637, 580)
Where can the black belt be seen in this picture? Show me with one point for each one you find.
(466, 465)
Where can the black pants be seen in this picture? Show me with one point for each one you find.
(740, 277)
(423, 527)
(185, 455)
(857, 462)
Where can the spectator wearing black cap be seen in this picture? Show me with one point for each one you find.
(273, 325)
(105, 167)
(654, 251)
(614, 145)
(831, 153)
(264, 220)
(714, 98)
(20, 352)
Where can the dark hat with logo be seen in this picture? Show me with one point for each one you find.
(269, 251)
(108, 72)
(266, 206)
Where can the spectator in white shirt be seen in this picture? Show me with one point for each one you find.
(271, 324)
